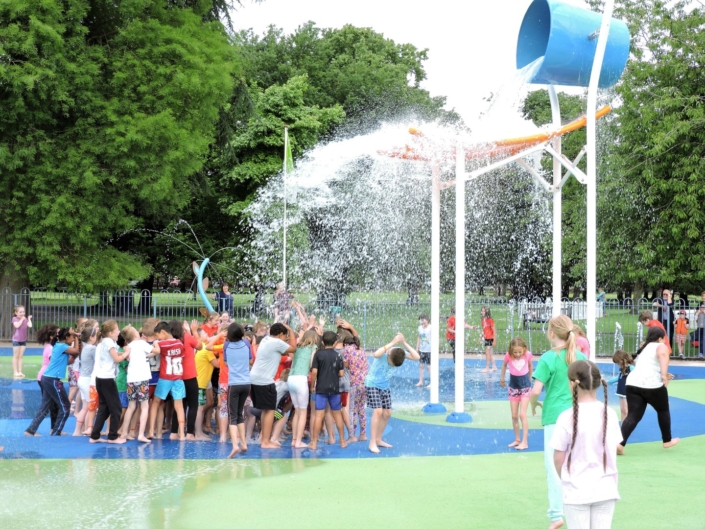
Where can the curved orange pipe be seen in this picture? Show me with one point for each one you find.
(506, 147)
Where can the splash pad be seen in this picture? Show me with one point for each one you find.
(567, 46)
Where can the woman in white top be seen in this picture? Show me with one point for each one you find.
(647, 384)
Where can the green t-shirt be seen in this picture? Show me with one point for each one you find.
(552, 371)
(302, 361)
(121, 378)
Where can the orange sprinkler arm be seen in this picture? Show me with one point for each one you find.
(495, 149)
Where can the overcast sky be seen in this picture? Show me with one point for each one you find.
(471, 43)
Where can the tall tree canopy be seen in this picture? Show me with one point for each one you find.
(108, 111)
(653, 169)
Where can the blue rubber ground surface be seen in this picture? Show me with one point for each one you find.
(19, 400)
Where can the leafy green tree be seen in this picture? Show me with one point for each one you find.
(371, 77)
(259, 143)
(108, 112)
(655, 164)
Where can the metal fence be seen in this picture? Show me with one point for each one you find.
(376, 318)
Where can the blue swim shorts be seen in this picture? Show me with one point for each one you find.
(175, 387)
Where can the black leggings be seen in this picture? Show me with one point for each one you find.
(637, 399)
(237, 395)
(190, 402)
(108, 405)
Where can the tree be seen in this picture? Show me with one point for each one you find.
(371, 77)
(659, 149)
(109, 110)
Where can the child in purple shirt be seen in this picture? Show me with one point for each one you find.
(20, 326)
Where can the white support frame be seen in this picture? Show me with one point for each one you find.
(559, 180)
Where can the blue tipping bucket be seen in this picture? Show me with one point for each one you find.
(566, 37)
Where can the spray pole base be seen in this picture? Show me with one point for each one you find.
(434, 408)
(459, 417)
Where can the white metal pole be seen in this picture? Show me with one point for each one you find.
(591, 298)
(435, 278)
(459, 280)
(286, 145)
(557, 205)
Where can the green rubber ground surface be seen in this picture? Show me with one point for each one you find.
(492, 491)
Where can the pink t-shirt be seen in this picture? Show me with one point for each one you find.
(518, 366)
(584, 345)
(46, 358)
(587, 481)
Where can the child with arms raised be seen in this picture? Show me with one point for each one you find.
(45, 336)
(206, 362)
(280, 341)
(520, 369)
(64, 351)
(583, 436)
(89, 396)
(379, 396)
(107, 358)
(298, 384)
(138, 376)
(171, 352)
(20, 329)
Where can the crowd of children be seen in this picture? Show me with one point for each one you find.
(179, 378)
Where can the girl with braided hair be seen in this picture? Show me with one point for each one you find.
(588, 434)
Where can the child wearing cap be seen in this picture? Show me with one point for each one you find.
(681, 331)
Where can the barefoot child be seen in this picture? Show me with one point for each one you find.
(356, 359)
(280, 341)
(298, 384)
(64, 351)
(520, 370)
(171, 352)
(326, 369)
(20, 326)
(107, 358)
(584, 436)
(206, 362)
(88, 339)
(138, 375)
(423, 346)
(552, 373)
(379, 397)
(237, 354)
(489, 335)
(626, 364)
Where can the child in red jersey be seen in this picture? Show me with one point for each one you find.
(171, 370)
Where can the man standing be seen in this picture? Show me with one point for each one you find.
(665, 313)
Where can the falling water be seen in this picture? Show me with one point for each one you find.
(358, 219)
